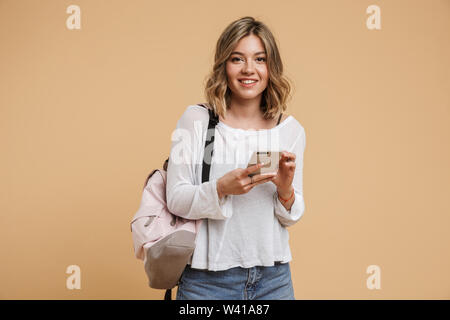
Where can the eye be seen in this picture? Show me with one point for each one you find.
(260, 59)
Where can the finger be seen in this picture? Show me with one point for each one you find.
(289, 166)
(288, 156)
(263, 181)
(262, 176)
(255, 183)
(253, 168)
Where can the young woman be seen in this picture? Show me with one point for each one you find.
(242, 248)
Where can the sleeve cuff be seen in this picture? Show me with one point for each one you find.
(289, 217)
(223, 206)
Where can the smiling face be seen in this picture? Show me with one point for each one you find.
(247, 61)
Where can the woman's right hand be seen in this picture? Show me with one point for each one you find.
(237, 181)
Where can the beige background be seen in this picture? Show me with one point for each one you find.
(87, 114)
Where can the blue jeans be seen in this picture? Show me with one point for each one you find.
(256, 283)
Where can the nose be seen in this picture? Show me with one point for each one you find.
(248, 67)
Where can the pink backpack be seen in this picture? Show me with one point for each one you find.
(163, 240)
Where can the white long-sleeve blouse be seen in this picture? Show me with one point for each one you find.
(243, 230)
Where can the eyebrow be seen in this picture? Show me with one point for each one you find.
(240, 53)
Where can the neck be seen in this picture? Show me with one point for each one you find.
(245, 109)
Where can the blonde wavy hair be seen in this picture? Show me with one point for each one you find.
(277, 92)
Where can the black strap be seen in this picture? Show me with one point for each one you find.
(209, 150)
(168, 295)
(279, 119)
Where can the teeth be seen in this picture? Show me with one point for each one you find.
(248, 81)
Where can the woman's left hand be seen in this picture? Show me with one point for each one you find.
(286, 170)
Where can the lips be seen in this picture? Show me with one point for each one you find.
(247, 85)
(243, 79)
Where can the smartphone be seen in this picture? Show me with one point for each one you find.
(270, 158)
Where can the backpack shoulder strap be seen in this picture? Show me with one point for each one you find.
(149, 176)
(279, 119)
(213, 121)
